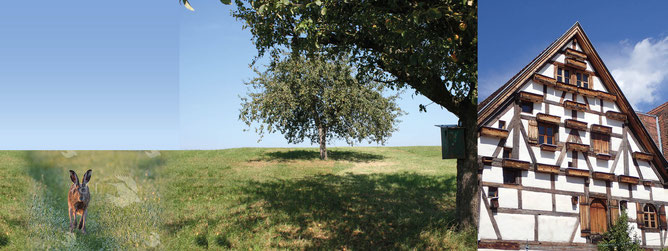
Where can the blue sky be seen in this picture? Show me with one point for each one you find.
(215, 53)
(139, 75)
(631, 38)
(89, 74)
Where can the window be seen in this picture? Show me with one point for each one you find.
(623, 205)
(574, 114)
(582, 80)
(649, 216)
(574, 162)
(601, 143)
(511, 176)
(493, 192)
(563, 75)
(598, 220)
(526, 106)
(502, 124)
(546, 134)
(507, 152)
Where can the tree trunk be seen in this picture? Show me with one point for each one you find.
(468, 197)
(322, 134)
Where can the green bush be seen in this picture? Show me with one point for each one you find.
(618, 237)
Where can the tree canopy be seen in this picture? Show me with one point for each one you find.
(319, 100)
(430, 46)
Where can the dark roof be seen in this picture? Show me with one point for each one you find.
(661, 115)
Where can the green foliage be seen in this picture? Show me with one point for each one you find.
(428, 45)
(298, 96)
(618, 237)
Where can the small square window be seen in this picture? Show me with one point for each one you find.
(547, 134)
(527, 106)
(507, 152)
(623, 205)
(493, 192)
(502, 124)
(574, 114)
(511, 176)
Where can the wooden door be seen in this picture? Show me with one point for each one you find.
(598, 221)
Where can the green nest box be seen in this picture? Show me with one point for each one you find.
(452, 142)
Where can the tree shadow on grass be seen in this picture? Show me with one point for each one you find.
(353, 156)
(379, 211)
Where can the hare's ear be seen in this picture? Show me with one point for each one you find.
(74, 177)
(86, 177)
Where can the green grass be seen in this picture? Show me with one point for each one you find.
(247, 198)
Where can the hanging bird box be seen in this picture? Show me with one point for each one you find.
(452, 142)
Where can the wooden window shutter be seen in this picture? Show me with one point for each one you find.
(614, 212)
(533, 131)
(584, 217)
(640, 216)
(662, 217)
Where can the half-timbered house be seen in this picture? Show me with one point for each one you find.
(562, 154)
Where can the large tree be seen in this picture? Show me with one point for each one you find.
(320, 100)
(430, 46)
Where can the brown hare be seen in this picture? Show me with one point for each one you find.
(78, 199)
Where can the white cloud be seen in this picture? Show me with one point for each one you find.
(641, 69)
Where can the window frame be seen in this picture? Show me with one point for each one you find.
(543, 137)
(516, 173)
(650, 219)
(528, 104)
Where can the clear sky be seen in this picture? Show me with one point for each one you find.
(139, 75)
(89, 74)
(631, 37)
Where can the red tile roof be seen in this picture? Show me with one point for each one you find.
(660, 114)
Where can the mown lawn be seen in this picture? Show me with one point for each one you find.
(362, 198)
(247, 198)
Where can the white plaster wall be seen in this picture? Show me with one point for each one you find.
(485, 228)
(559, 57)
(580, 99)
(509, 142)
(492, 174)
(619, 190)
(557, 110)
(647, 171)
(600, 165)
(610, 106)
(632, 169)
(487, 145)
(547, 70)
(590, 118)
(615, 143)
(632, 143)
(532, 87)
(524, 151)
(507, 116)
(597, 84)
(619, 169)
(615, 124)
(573, 184)
(597, 186)
(653, 239)
(545, 157)
(631, 213)
(640, 192)
(536, 201)
(534, 179)
(555, 229)
(507, 197)
(515, 226)
(578, 237)
(595, 104)
(589, 67)
(659, 194)
(563, 204)
(553, 95)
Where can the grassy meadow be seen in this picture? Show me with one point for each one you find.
(246, 198)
